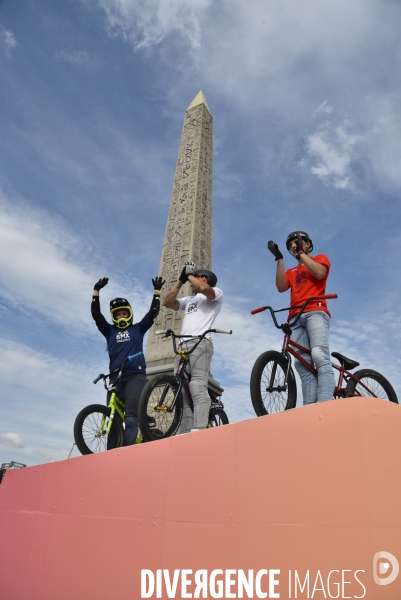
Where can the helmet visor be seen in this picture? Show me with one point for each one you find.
(123, 321)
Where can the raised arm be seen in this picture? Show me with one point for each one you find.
(95, 306)
(170, 301)
(281, 282)
(200, 285)
(155, 305)
(315, 268)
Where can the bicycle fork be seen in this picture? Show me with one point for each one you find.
(287, 355)
(160, 407)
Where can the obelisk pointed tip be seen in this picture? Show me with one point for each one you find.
(199, 99)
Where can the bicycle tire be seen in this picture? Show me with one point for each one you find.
(217, 417)
(88, 437)
(265, 401)
(156, 421)
(381, 387)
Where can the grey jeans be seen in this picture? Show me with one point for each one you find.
(312, 331)
(199, 367)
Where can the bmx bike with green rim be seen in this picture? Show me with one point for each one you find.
(161, 402)
(95, 422)
(273, 385)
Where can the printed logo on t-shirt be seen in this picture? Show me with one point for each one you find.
(191, 308)
(301, 278)
(123, 336)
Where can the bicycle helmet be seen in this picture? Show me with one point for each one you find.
(119, 304)
(298, 234)
(210, 276)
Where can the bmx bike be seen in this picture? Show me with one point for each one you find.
(161, 402)
(273, 385)
(94, 423)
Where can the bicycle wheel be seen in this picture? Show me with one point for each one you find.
(377, 386)
(217, 416)
(268, 393)
(160, 408)
(89, 429)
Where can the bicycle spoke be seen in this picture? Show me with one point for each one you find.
(374, 389)
(90, 429)
(273, 389)
(159, 407)
(95, 438)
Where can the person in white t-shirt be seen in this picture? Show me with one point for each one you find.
(201, 310)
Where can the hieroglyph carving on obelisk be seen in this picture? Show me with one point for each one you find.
(189, 225)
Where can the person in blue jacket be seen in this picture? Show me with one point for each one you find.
(125, 338)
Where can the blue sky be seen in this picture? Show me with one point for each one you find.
(305, 99)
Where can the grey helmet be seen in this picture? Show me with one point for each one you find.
(210, 276)
(298, 234)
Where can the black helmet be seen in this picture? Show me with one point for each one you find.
(210, 276)
(298, 234)
(118, 304)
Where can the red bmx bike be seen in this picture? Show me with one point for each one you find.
(273, 385)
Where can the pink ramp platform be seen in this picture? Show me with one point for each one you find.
(302, 499)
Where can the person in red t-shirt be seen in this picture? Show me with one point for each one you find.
(308, 279)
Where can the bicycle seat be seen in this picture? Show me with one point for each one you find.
(347, 363)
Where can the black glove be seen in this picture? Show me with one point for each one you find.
(101, 283)
(189, 267)
(157, 285)
(272, 246)
(183, 277)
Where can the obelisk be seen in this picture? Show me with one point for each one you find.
(188, 233)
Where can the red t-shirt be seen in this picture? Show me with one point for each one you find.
(303, 285)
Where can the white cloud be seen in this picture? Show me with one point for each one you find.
(374, 343)
(50, 391)
(273, 54)
(7, 39)
(324, 108)
(146, 23)
(80, 58)
(382, 142)
(332, 149)
(46, 268)
(11, 439)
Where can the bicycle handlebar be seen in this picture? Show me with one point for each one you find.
(326, 297)
(120, 369)
(170, 332)
(134, 355)
(257, 310)
(297, 316)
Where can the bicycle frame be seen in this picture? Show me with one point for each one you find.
(344, 375)
(183, 378)
(182, 375)
(115, 405)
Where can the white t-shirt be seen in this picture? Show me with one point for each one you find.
(200, 312)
